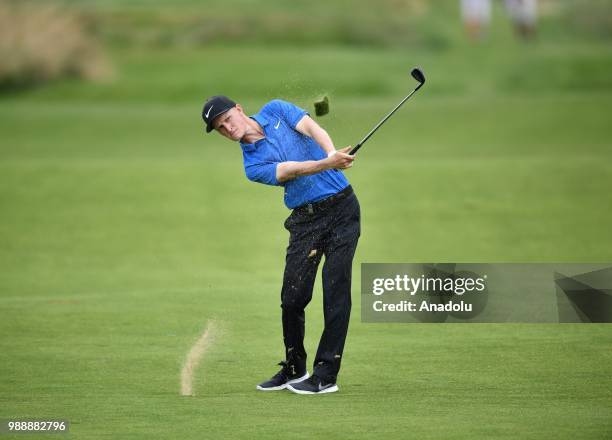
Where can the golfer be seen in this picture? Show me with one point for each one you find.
(282, 146)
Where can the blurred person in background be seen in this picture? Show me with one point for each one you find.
(524, 16)
(476, 15)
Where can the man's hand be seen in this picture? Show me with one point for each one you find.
(341, 160)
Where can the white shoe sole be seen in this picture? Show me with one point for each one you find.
(283, 386)
(331, 389)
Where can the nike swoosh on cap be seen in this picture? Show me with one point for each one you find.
(208, 112)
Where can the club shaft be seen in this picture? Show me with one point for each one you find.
(383, 120)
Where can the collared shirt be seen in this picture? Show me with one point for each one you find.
(282, 143)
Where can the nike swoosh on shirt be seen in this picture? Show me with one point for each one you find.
(208, 112)
(277, 125)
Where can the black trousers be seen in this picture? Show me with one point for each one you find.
(329, 228)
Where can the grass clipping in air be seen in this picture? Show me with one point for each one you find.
(321, 106)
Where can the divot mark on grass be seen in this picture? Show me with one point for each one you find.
(194, 356)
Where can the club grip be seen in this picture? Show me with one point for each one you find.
(354, 150)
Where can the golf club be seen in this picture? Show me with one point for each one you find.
(417, 74)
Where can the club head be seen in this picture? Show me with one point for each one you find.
(418, 75)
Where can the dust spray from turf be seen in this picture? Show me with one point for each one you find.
(202, 345)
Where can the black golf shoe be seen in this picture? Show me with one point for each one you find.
(290, 373)
(312, 385)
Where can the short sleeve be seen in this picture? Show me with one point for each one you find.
(291, 113)
(262, 173)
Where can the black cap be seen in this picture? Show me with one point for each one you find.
(215, 106)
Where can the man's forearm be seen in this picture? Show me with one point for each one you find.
(290, 170)
(322, 138)
(310, 128)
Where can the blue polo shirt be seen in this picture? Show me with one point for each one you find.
(282, 143)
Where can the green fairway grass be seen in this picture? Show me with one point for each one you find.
(124, 230)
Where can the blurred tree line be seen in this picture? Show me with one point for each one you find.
(47, 39)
